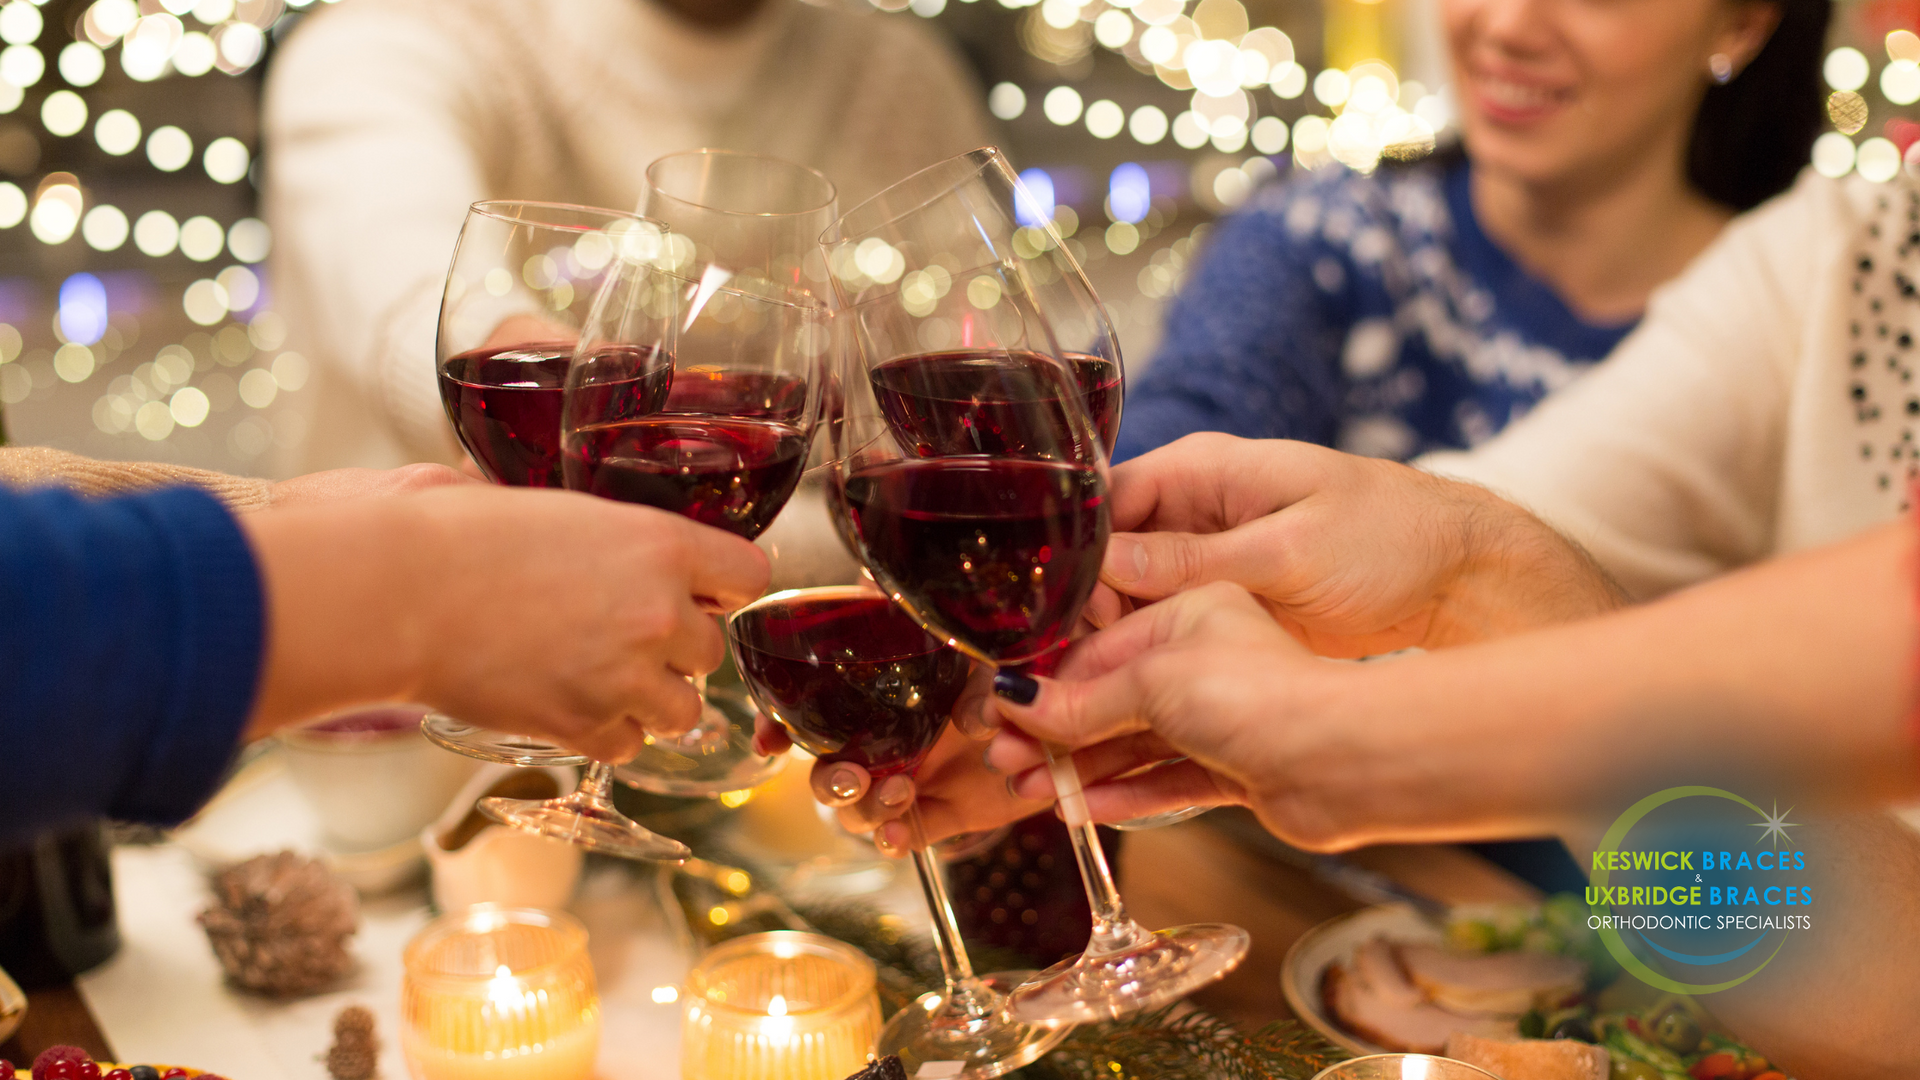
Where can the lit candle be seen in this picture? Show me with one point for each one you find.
(500, 994)
(779, 1006)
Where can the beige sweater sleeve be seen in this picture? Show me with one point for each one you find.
(34, 466)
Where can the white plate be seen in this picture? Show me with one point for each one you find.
(1333, 942)
(261, 811)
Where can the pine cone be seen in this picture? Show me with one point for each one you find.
(355, 1052)
(280, 924)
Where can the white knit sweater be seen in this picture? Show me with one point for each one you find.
(1767, 403)
(386, 118)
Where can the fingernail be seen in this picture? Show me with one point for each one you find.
(896, 792)
(1015, 687)
(986, 761)
(1126, 559)
(1011, 790)
(844, 782)
(884, 841)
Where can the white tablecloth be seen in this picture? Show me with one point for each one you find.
(163, 998)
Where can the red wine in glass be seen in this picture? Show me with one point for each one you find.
(850, 675)
(505, 404)
(986, 401)
(999, 552)
(734, 474)
(766, 395)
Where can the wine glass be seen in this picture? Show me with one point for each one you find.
(854, 678)
(750, 222)
(973, 479)
(524, 278)
(726, 448)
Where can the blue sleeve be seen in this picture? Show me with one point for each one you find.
(131, 636)
(1251, 344)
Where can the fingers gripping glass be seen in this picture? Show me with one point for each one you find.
(854, 678)
(972, 479)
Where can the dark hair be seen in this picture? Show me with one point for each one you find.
(1754, 135)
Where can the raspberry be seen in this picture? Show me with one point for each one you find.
(175, 1073)
(60, 1063)
(87, 1070)
(6, 1069)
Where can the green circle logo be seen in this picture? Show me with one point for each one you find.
(1714, 907)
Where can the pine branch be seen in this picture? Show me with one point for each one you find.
(1197, 1046)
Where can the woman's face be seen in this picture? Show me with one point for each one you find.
(1557, 90)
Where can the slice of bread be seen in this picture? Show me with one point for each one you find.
(1531, 1059)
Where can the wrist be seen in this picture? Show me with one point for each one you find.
(1509, 572)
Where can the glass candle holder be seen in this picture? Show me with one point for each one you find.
(779, 1006)
(493, 993)
(1403, 1067)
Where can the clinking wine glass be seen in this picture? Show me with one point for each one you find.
(522, 282)
(727, 448)
(854, 678)
(973, 481)
(749, 223)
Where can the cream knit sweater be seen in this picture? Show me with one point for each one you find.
(1768, 402)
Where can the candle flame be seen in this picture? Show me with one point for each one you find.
(777, 1007)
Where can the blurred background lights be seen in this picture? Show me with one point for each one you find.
(1845, 68)
(83, 309)
(169, 148)
(205, 302)
(1900, 82)
(1061, 105)
(1036, 210)
(189, 406)
(1903, 45)
(156, 233)
(22, 65)
(73, 362)
(249, 240)
(1189, 130)
(927, 9)
(226, 160)
(1331, 87)
(147, 48)
(56, 213)
(64, 112)
(1105, 119)
(258, 388)
(213, 12)
(1113, 29)
(1269, 135)
(240, 46)
(1129, 193)
(117, 132)
(242, 286)
(196, 54)
(107, 20)
(10, 96)
(1289, 80)
(1007, 101)
(82, 63)
(201, 238)
(1832, 154)
(104, 228)
(13, 204)
(1878, 160)
(1148, 125)
(1159, 44)
(20, 23)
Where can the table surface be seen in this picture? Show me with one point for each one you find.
(1190, 872)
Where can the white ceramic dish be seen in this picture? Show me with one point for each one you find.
(1334, 941)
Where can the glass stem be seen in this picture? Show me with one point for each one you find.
(597, 785)
(964, 992)
(1113, 929)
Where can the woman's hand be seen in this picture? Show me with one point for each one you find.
(956, 790)
(545, 613)
(1354, 556)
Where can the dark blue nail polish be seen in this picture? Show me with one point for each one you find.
(1015, 687)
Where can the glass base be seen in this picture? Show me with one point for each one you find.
(714, 758)
(931, 1031)
(495, 746)
(1160, 821)
(1167, 966)
(588, 823)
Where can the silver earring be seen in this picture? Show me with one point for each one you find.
(1721, 65)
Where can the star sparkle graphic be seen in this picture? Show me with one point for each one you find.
(1776, 825)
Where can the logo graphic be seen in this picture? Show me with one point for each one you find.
(1682, 873)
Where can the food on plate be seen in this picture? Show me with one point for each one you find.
(1670, 1040)
(1372, 996)
(1502, 983)
(1531, 1059)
